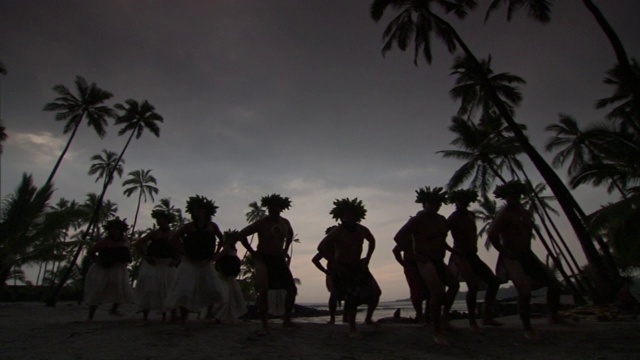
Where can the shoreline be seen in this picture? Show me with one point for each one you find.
(34, 331)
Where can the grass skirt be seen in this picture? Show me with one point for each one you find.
(153, 285)
(230, 311)
(107, 285)
(196, 287)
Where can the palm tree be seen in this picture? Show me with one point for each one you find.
(627, 105)
(165, 205)
(625, 70)
(140, 181)
(22, 225)
(255, 213)
(473, 95)
(103, 165)
(573, 144)
(88, 103)
(480, 153)
(136, 118)
(418, 21)
(108, 211)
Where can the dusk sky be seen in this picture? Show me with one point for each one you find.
(289, 97)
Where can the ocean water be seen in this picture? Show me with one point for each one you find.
(384, 309)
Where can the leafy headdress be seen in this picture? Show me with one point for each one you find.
(276, 201)
(162, 214)
(428, 195)
(513, 187)
(340, 206)
(198, 201)
(117, 222)
(464, 195)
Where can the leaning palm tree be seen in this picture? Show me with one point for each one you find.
(136, 118)
(415, 24)
(104, 164)
(574, 145)
(74, 109)
(471, 92)
(142, 182)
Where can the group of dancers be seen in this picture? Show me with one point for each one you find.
(187, 270)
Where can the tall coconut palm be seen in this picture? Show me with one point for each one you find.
(473, 95)
(104, 164)
(142, 182)
(108, 211)
(571, 143)
(136, 118)
(417, 21)
(626, 110)
(625, 70)
(480, 153)
(74, 109)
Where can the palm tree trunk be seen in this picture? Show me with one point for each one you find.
(621, 53)
(605, 288)
(64, 152)
(53, 299)
(135, 219)
(39, 272)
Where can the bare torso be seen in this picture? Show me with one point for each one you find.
(429, 232)
(462, 225)
(273, 234)
(347, 244)
(513, 227)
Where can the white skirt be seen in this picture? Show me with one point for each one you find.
(196, 287)
(153, 285)
(110, 285)
(230, 311)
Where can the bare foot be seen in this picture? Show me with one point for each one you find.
(532, 335)
(491, 322)
(440, 340)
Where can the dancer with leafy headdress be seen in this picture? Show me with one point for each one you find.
(464, 260)
(427, 231)
(418, 290)
(157, 270)
(197, 284)
(510, 233)
(329, 256)
(353, 282)
(271, 257)
(108, 278)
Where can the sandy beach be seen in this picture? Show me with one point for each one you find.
(33, 331)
